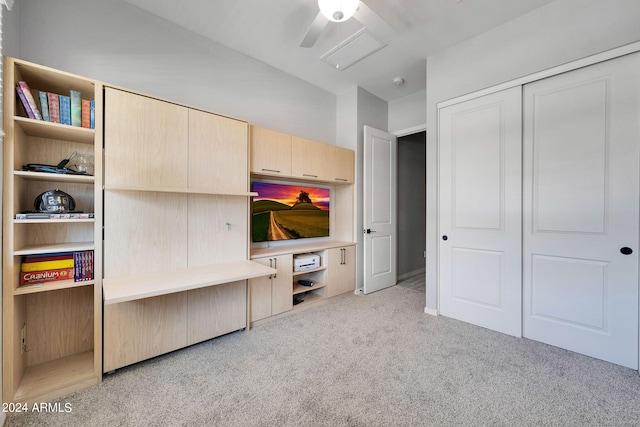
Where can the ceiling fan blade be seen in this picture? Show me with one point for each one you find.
(314, 31)
(372, 21)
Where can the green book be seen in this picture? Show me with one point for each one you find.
(76, 108)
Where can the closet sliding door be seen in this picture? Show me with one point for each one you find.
(480, 218)
(580, 203)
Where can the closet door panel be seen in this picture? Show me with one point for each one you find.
(480, 211)
(581, 192)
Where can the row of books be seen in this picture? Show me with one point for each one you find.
(44, 215)
(55, 108)
(36, 269)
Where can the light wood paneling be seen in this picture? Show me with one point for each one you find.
(59, 324)
(216, 310)
(218, 152)
(217, 230)
(138, 330)
(270, 152)
(145, 141)
(144, 232)
(310, 159)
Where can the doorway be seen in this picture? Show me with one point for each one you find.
(411, 210)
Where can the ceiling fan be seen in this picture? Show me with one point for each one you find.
(340, 11)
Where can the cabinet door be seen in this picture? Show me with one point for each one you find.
(260, 289)
(341, 275)
(218, 153)
(145, 141)
(310, 159)
(342, 162)
(216, 310)
(270, 152)
(282, 285)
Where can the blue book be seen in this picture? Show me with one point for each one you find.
(44, 105)
(65, 110)
(93, 114)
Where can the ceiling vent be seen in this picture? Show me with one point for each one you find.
(354, 49)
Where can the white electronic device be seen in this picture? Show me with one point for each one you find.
(305, 262)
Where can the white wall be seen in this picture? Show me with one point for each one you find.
(557, 33)
(408, 112)
(117, 43)
(356, 108)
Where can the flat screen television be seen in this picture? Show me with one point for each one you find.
(289, 211)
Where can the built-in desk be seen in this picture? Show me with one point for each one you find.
(151, 314)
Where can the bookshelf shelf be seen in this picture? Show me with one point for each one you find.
(299, 273)
(299, 289)
(54, 247)
(43, 129)
(69, 374)
(52, 221)
(51, 286)
(178, 190)
(43, 176)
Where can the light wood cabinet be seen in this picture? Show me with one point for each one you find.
(342, 164)
(272, 295)
(52, 332)
(310, 159)
(270, 152)
(183, 279)
(341, 266)
(147, 141)
(277, 154)
(335, 275)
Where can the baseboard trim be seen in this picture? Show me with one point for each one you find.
(431, 311)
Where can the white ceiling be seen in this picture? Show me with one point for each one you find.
(271, 31)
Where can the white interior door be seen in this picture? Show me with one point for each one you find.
(581, 155)
(380, 159)
(480, 217)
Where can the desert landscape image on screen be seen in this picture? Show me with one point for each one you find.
(285, 211)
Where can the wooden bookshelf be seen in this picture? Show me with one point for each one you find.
(52, 334)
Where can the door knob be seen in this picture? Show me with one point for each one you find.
(444, 237)
(626, 251)
(369, 231)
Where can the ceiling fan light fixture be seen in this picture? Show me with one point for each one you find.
(338, 10)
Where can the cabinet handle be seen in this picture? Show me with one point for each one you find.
(270, 170)
(341, 179)
(342, 257)
(308, 174)
(275, 265)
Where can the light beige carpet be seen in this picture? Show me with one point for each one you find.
(370, 360)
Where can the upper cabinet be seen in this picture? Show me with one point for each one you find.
(342, 161)
(270, 152)
(310, 159)
(276, 154)
(218, 152)
(158, 145)
(147, 141)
